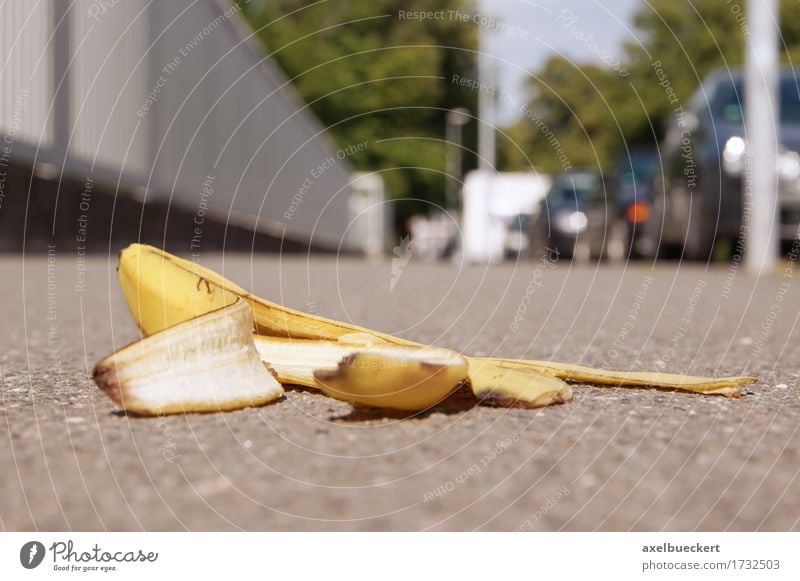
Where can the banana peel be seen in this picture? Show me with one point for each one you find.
(358, 364)
(205, 364)
(379, 379)
(361, 370)
(501, 386)
(727, 386)
(215, 363)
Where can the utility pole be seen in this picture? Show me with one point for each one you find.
(762, 134)
(455, 121)
(486, 104)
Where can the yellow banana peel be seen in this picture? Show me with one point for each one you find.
(357, 364)
(526, 387)
(377, 378)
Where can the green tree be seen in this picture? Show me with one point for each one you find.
(570, 122)
(371, 75)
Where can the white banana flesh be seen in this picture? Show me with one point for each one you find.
(207, 364)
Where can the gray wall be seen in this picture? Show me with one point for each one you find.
(222, 109)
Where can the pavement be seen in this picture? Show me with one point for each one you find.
(612, 459)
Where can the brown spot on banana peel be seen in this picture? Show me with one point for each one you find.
(105, 377)
(331, 374)
(270, 369)
(201, 280)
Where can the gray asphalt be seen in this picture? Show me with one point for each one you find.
(612, 459)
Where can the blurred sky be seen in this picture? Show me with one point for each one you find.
(532, 30)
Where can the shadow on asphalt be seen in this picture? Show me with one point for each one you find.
(461, 400)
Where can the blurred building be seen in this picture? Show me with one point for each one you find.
(159, 120)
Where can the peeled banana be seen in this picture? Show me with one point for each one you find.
(356, 364)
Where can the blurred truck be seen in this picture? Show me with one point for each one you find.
(493, 206)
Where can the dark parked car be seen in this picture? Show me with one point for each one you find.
(699, 201)
(574, 217)
(632, 186)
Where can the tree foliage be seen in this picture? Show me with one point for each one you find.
(372, 76)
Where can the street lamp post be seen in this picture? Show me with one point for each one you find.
(455, 121)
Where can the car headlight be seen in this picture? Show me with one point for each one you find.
(571, 222)
(789, 166)
(733, 160)
(517, 242)
(733, 156)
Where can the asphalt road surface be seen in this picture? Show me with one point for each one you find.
(612, 459)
